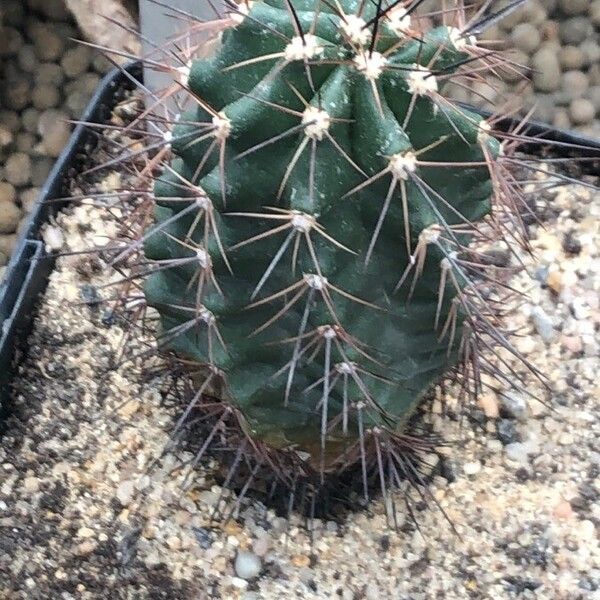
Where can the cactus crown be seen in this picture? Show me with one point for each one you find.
(312, 253)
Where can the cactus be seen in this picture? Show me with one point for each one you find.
(313, 255)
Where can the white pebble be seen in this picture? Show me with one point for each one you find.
(53, 238)
(125, 492)
(517, 452)
(472, 468)
(247, 565)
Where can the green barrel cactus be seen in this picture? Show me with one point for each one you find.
(310, 255)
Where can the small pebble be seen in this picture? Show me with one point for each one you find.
(17, 93)
(17, 169)
(7, 192)
(76, 61)
(55, 131)
(563, 510)
(48, 45)
(6, 136)
(125, 491)
(261, 546)
(546, 70)
(472, 468)
(507, 432)
(571, 57)
(517, 452)
(582, 111)
(247, 565)
(566, 439)
(514, 406)
(574, 7)
(49, 74)
(575, 30)
(489, 405)
(526, 37)
(45, 96)
(543, 324)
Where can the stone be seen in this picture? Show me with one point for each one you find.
(3, 262)
(575, 30)
(30, 118)
(546, 70)
(572, 343)
(514, 406)
(88, 83)
(10, 120)
(247, 565)
(534, 12)
(85, 532)
(86, 547)
(76, 61)
(25, 142)
(489, 405)
(7, 192)
(49, 73)
(574, 7)
(561, 119)
(27, 59)
(41, 169)
(48, 45)
(45, 96)
(591, 51)
(125, 492)
(17, 93)
(525, 37)
(566, 439)
(517, 452)
(54, 130)
(582, 111)
(76, 103)
(571, 57)
(574, 84)
(543, 324)
(17, 169)
(11, 41)
(261, 545)
(563, 510)
(507, 432)
(472, 468)
(54, 240)
(593, 95)
(31, 484)
(10, 215)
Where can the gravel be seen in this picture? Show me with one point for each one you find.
(47, 79)
(550, 40)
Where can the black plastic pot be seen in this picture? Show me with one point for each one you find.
(30, 267)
